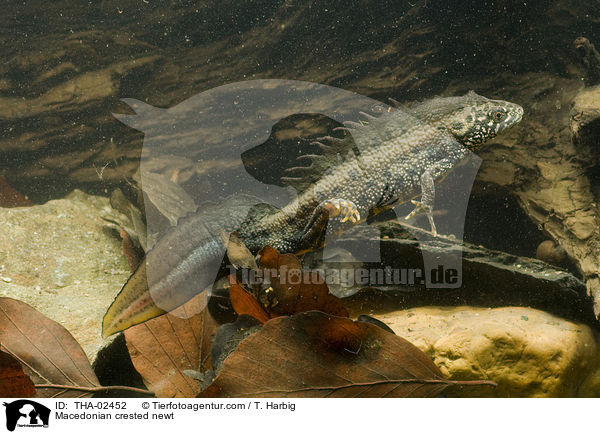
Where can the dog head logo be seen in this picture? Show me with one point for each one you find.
(26, 413)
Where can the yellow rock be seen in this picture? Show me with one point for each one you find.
(529, 353)
(60, 259)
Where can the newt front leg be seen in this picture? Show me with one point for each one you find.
(426, 203)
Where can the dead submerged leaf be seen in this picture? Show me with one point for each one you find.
(369, 319)
(228, 338)
(317, 355)
(11, 198)
(245, 303)
(238, 254)
(47, 351)
(296, 290)
(162, 348)
(133, 255)
(134, 224)
(13, 381)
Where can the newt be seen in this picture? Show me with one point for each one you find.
(404, 152)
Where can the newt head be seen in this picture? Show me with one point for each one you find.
(472, 119)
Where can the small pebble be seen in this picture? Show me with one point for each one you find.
(6, 279)
(549, 252)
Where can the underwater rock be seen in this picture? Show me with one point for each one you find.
(546, 167)
(58, 258)
(489, 278)
(585, 120)
(549, 252)
(529, 353)
(590, 386)
(590, 58)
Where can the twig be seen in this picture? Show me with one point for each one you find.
(94, 389)
(375, 383)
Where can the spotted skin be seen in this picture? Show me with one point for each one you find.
(404, 152)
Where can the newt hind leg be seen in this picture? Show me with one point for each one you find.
(346, 210)
(337, 212)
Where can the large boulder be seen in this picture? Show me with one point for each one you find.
(61, 259)
(529, 353)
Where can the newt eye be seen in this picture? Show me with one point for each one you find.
(498, 116)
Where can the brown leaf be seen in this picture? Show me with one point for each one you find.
(296, 290)
(11, 198)
(162, 348)
(238, 254)
(317, 355)
(270, 258)
(47, 351)
(13, 381)
(245, 303)
(311, 294)
(133, 255)
(229, 336)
